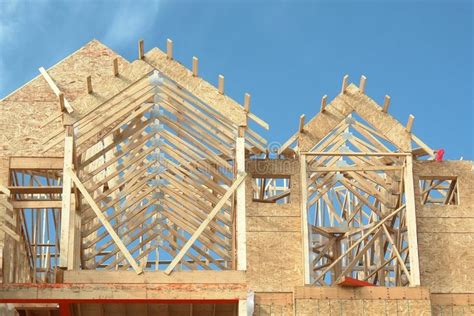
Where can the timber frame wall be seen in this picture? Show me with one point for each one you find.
(141, 188)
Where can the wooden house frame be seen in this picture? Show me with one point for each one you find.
(141, 188)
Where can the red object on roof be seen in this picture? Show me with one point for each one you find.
(439, 155)
(350, 282)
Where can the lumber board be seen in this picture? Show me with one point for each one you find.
(36, 163)
(204, 224)
(197, 86)
(104, 221)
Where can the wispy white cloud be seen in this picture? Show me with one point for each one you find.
(129, 19)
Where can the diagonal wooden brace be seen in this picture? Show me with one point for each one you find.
(206, 222)
(105, 222)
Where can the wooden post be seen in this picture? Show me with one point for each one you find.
(89, 84)
(242, 308)
(141, 49)
(301, 126)
(304, 220)
(247, 102)
(344, 83)
(115, 67)
(62, 105)
(221, 84)
(67, 213)
(169, 48)
(241, 212)
(411, 119)
(386, 103)
(195, 66)
(323, 103)
(411, 222)
(362, 82)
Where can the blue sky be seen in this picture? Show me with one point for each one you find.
(287, 54)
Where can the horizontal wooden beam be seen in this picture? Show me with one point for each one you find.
(36, 190)
(335, 153)
(97, 293)
(156, 277)
(353, 168)
(36, 163)
(36, 204)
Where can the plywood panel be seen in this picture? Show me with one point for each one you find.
(274, 245)
(23, 112)
(362, 307)
(273, 304)
(446, 233)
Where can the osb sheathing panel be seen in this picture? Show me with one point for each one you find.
(272, 168)
(274, 245)
(105, 90)
(323, 123)
(352, 100)
(277, 304)
(202, 89)
(371, 112)
(307, 307)
(312, 300)
(452, 304)
(446, 233)
(23, 112)
(452, 310)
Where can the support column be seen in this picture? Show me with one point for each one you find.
(242, 308)
(241, 215)
(304, 219)
(411, 222)
(66, 259)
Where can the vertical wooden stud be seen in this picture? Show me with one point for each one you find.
(89, 84)
(169, 48)
(362, 82)
(141, 49)
(304, 220)
(323, 103)
(411, 222)
(115, 66)
(301, 127)
(386, 104)
(247, 102)
(61, 102)
(240, 207)
(242, 308)
(344, 83)
(221, 84)
(411, 119)
(195, 66)
(67, 213)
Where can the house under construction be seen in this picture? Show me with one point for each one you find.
(138, 188)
